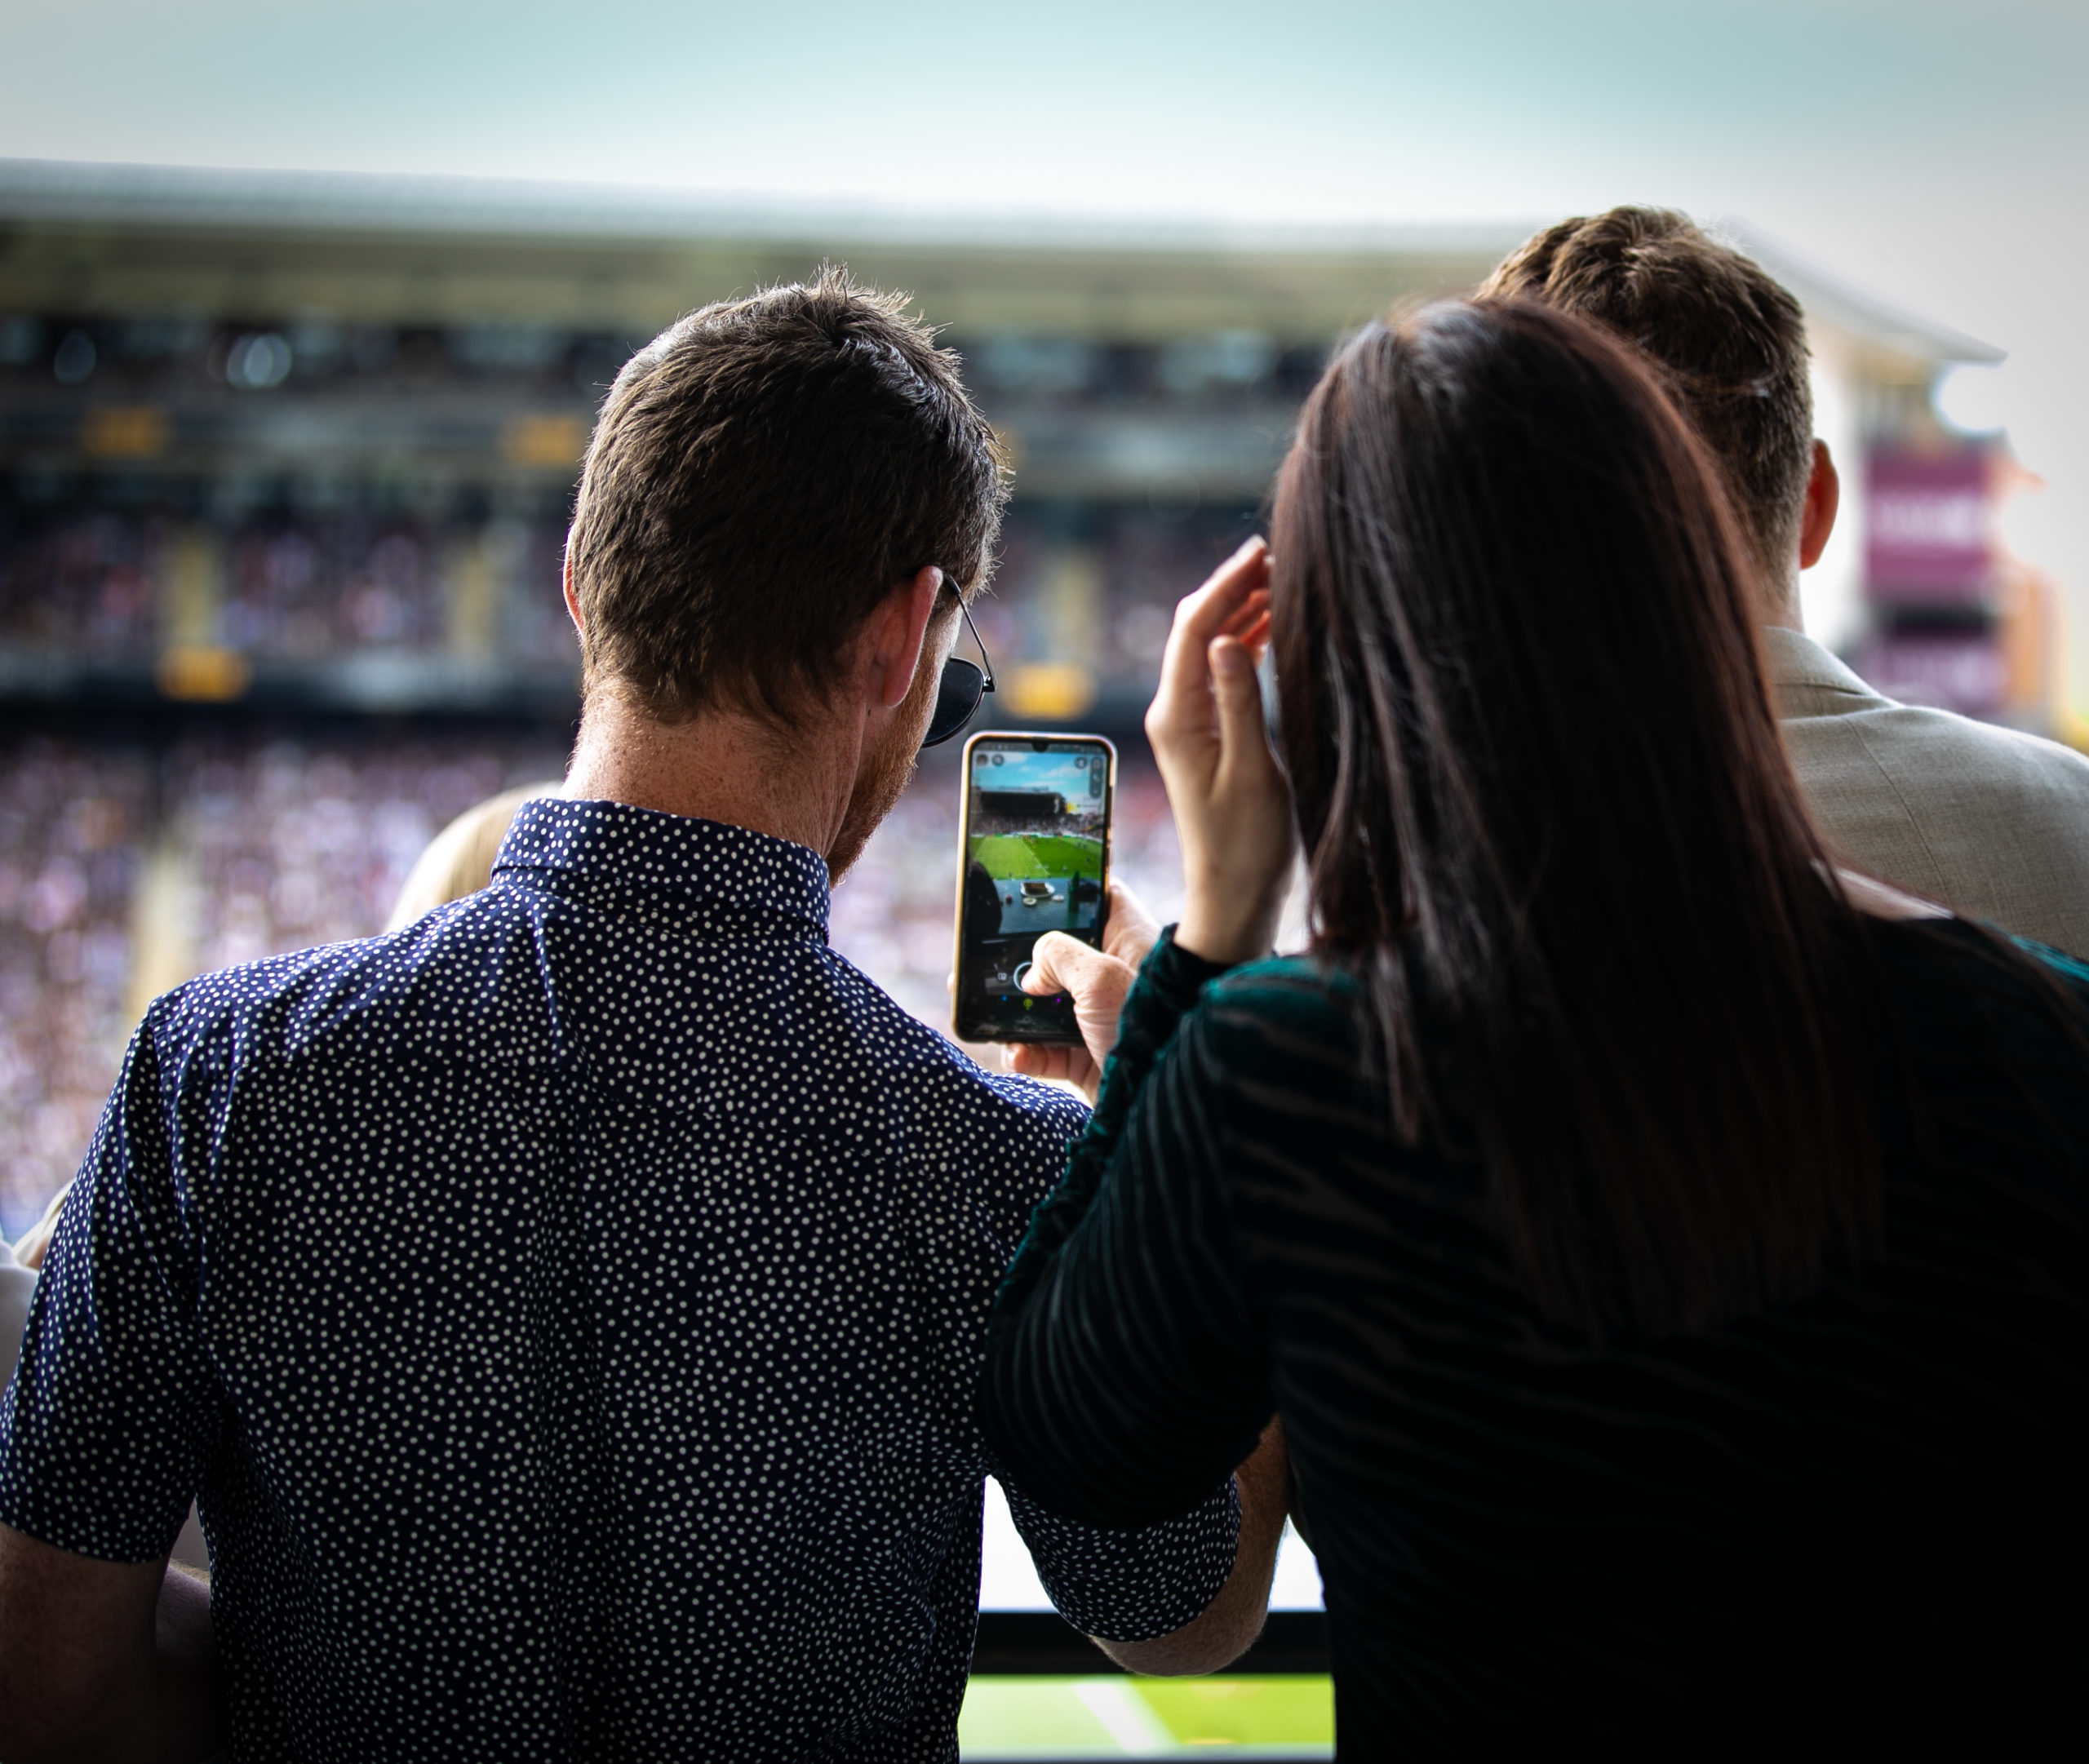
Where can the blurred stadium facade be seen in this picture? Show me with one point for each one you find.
(285, 462)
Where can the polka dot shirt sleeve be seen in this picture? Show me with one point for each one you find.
(1134, 1585)
(112, 1412)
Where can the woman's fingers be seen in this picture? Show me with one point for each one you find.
(1203, 614)
(1252, 614)
(1237, 593)
(1253, 632)
(1244, 738)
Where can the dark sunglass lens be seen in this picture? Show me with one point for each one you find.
(958, 694)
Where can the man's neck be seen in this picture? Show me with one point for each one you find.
(1776, 600)
(720, 765)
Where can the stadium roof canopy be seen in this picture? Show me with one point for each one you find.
(1858, 314)
(130, 239)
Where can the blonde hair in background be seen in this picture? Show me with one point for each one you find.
(459, 860)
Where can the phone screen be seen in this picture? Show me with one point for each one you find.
(1033, 856)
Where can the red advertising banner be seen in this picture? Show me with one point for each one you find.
(1929, 537)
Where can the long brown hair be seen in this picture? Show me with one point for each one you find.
(1550, 822)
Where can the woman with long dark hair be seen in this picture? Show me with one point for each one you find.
(1668, 1254)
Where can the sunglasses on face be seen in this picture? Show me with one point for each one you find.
(958, 692)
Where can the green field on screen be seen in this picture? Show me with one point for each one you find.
(1018, 856)
(1069, 1718)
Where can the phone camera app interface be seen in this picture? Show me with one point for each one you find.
(1033, 860)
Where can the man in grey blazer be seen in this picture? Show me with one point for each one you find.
(1989, 822)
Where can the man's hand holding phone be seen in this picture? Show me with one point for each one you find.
(1098, 981)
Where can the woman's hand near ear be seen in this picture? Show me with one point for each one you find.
(1232, 813)
(1232, 805)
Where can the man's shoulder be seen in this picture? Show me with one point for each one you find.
(922, 1063)
(1830, 716)
(1931, 753)
(1990, 821)
(445, 984)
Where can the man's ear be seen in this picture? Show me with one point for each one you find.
(894, 635)
(1823, 496)
(572, 605)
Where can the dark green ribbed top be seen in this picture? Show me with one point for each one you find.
(1854, 1526)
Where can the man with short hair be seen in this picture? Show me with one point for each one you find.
(1986, 820)
(568, 1308)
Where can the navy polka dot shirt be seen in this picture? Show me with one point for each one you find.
(566, 1311)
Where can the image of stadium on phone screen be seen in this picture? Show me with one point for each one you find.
(1035, 852)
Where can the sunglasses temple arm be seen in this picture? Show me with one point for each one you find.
(987, 668)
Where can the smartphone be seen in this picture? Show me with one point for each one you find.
(1033, 856)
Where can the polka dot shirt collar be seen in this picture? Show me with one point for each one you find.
(612, 856)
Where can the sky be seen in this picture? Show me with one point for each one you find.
(1066, 773)
(1932, 151)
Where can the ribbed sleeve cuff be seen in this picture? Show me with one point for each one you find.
(1175, 976)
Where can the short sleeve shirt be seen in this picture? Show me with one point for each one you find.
(566, 1311)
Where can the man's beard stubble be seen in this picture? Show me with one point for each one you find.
(885, 773)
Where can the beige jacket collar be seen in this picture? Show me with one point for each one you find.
(1805, 681)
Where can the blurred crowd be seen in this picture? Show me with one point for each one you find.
(1079, 583)
(72, 823)
(279, 585)
(124, 871)
(176, 493)
(291, 843)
